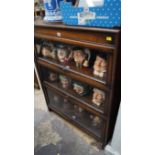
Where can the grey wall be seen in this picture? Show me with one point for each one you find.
(116, 140)
(114, 146)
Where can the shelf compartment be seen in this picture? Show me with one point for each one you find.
(82, 75)
(67, 110)
(105, 47)
(83, 101)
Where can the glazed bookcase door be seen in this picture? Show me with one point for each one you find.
(90, 122)
(88, 97)
(71, 65)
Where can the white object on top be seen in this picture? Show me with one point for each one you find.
(90, 3)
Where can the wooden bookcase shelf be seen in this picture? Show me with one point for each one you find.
(65, 102)
(84, 122)
(80, 100)
(73, 72)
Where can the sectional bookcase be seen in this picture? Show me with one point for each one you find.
(77, 109)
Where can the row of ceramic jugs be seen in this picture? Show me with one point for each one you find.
(81, 57)
(77, 111)
(79, 88)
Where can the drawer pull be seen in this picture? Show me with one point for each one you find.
(58, 34)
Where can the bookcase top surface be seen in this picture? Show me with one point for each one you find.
(41, 23)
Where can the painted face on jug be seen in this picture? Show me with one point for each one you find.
(79, 56)
(65, 83)
(96, 121)
(100, 67)
(100, 64)
(53, 76)
(45, 52)
(62, 55)
(78, 89)
(98, 97)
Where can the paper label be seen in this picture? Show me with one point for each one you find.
(85, 17)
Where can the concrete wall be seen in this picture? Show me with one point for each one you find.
(115, 146)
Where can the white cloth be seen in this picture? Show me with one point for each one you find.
(90, 3)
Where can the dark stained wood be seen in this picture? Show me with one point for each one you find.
(76, 123)
(84, 121)
(76, 75)
(41, 23)
(115, 95)
(83, 101)
(86, 72)
(93, 38)
(36, 83)
(40, 74)
(106, 48)
(110, 68)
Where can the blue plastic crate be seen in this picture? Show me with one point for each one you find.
(108, 15)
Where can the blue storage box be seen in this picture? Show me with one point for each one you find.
(108, 15)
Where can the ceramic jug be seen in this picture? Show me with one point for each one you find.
(52, 11)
